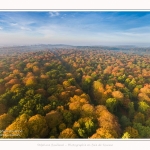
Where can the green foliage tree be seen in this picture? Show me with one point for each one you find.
(72, 81)
(14, 111)
(6, 98)
(85, 127)
(124, 121)
(122, 78)
(3, 109)
(62, 127)
(111, 104)
(144, 131)
(86, 83)
(147, 122)
(143, 107)
(132, 84)
(131, 110)
(68, 117)
(139, 118)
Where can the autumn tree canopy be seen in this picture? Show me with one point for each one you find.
(79, 92)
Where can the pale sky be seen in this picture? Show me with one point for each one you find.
(75, 28)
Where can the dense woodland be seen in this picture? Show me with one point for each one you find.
(74, 93)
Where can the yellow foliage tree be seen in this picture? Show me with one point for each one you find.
(118, 95)
(18, 129)
(36, 70)
(38, 127)
(132, 132)
(98, 92)
(15, 87)
(67, 133)
(102, 133)
(87, 110)
(31, 81)
(5, 120)
(107, 120)
(53, 119)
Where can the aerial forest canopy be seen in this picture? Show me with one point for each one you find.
(74, 93)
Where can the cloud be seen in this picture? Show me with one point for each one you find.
(140, 30)
(54, 14)
(13, 24)
(25, 28)
(1, 28)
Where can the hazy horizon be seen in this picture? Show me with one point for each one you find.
(61, 44)
(75, 28)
